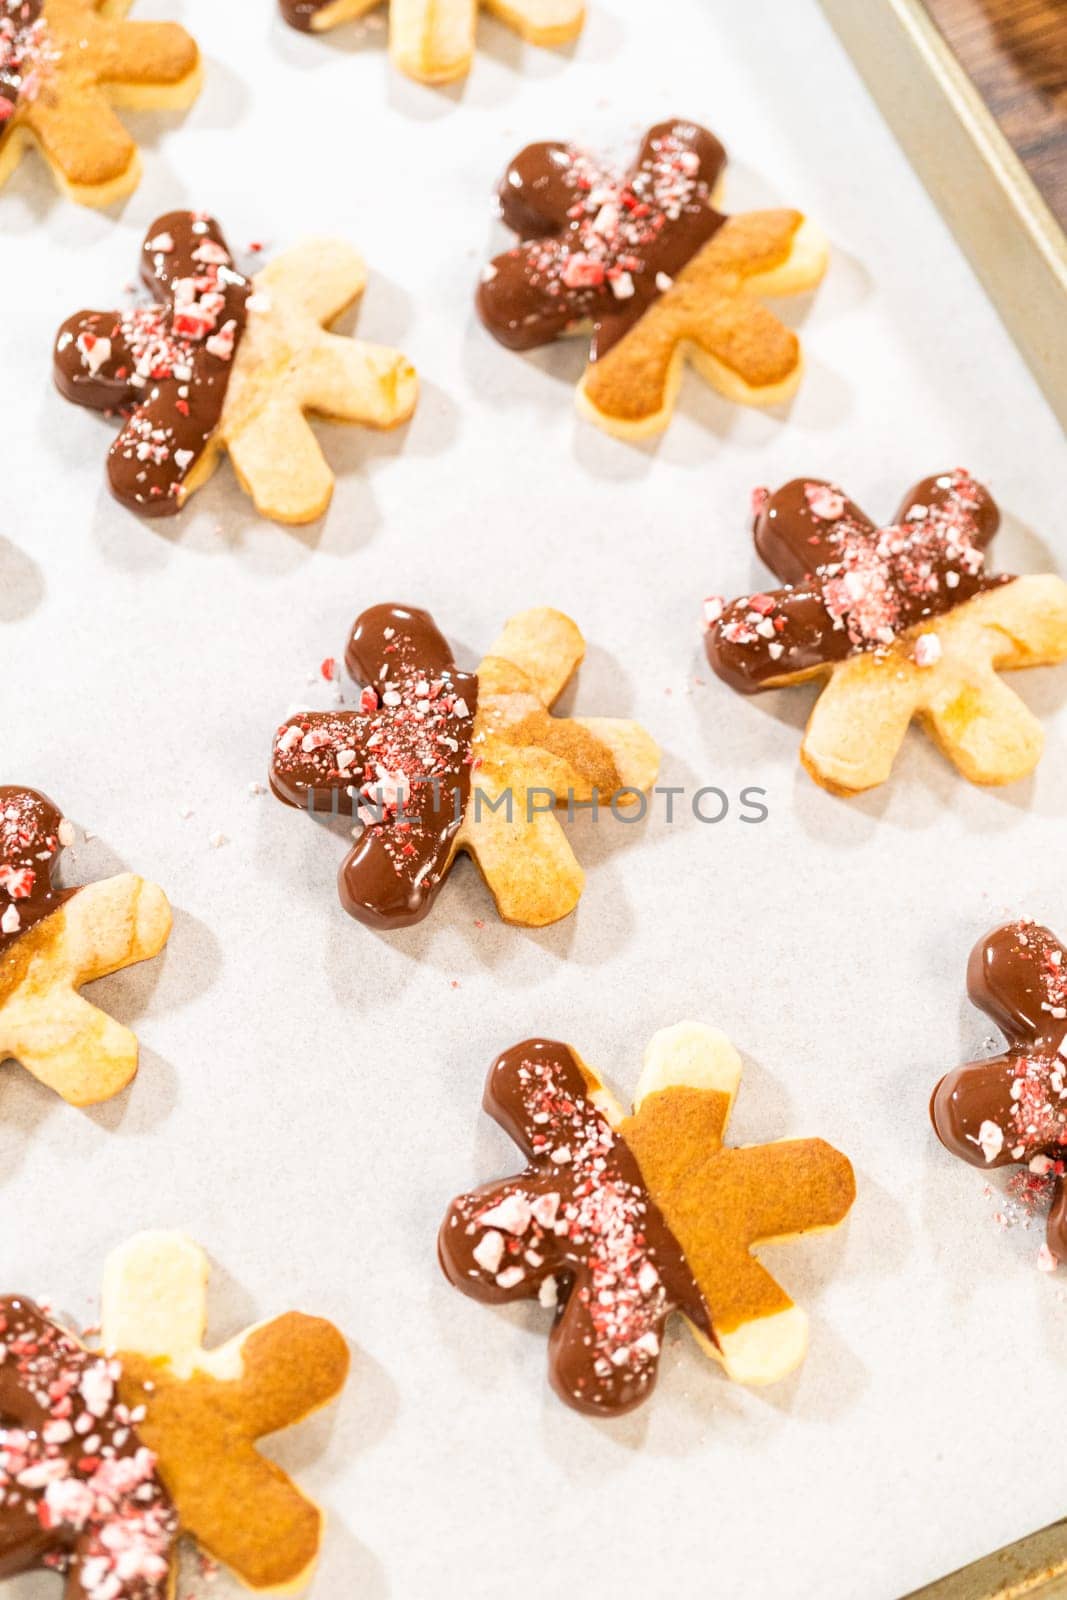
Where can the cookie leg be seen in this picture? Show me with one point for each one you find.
(635, 754)
(745, 353)
(71, 1047)
(432, 40)
(92, 157)
(544, 22)
(545, 645)
(857, 727)
(530, 868)
(985, 729)
(352, 381)
(278, 461)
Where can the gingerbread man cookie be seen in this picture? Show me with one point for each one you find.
(106, 1457)
(617, 1222)
(52, 941)
(902, 622)
(224, 362)
(436, 761)
(433, 40)
(655, 269)
(1013, 1107)
(80, 1493)
(202, 1412)
(63, 65)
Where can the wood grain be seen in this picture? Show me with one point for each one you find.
(1016, 53)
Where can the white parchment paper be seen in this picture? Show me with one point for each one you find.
(309, 1093)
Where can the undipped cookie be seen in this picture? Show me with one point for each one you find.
(225, 362)
(902, 622)
(52, 941)
(433, 40)
(436, 761)
(1013, 1107)
(617, 1222)
(63, 65)
(659, 274)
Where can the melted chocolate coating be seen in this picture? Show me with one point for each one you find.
(556, 200)
(78, 1490)
(580, 1217)
(163, 369)
(29, 851)
(919, 568)
(1013, 1107)
(392, 875)
(18, 52)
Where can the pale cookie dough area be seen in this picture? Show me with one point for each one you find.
(309, 1096)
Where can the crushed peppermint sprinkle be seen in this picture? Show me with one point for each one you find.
(928, 650)
(31, 836)
(393, 762)
(879, 582)
(26, 51)
(1036, 1130)
(74, 1477)
(577, 1210)
(162, 366)
(614, 222)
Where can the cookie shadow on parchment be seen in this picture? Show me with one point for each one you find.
(22, 585)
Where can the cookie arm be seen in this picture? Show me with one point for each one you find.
(292, 1366)
(319, 277)
(634, 752)
(545, 645)
(795, 1186)
(353, 381)
(544, 22)
(150, 64)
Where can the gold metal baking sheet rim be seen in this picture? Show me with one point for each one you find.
(1034, 1568)
(1011, 238)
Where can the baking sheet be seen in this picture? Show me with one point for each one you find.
(309, 1093)
(988, 198)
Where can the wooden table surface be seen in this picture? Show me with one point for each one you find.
(1016, 53)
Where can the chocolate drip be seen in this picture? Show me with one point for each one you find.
(402, 763)
(598, 248)
(851, 586)
(29, 850)
(302, 13)
(167, 367)
(1013, 1107)
(21, 42)
(579, 1223)
(78, 1490)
